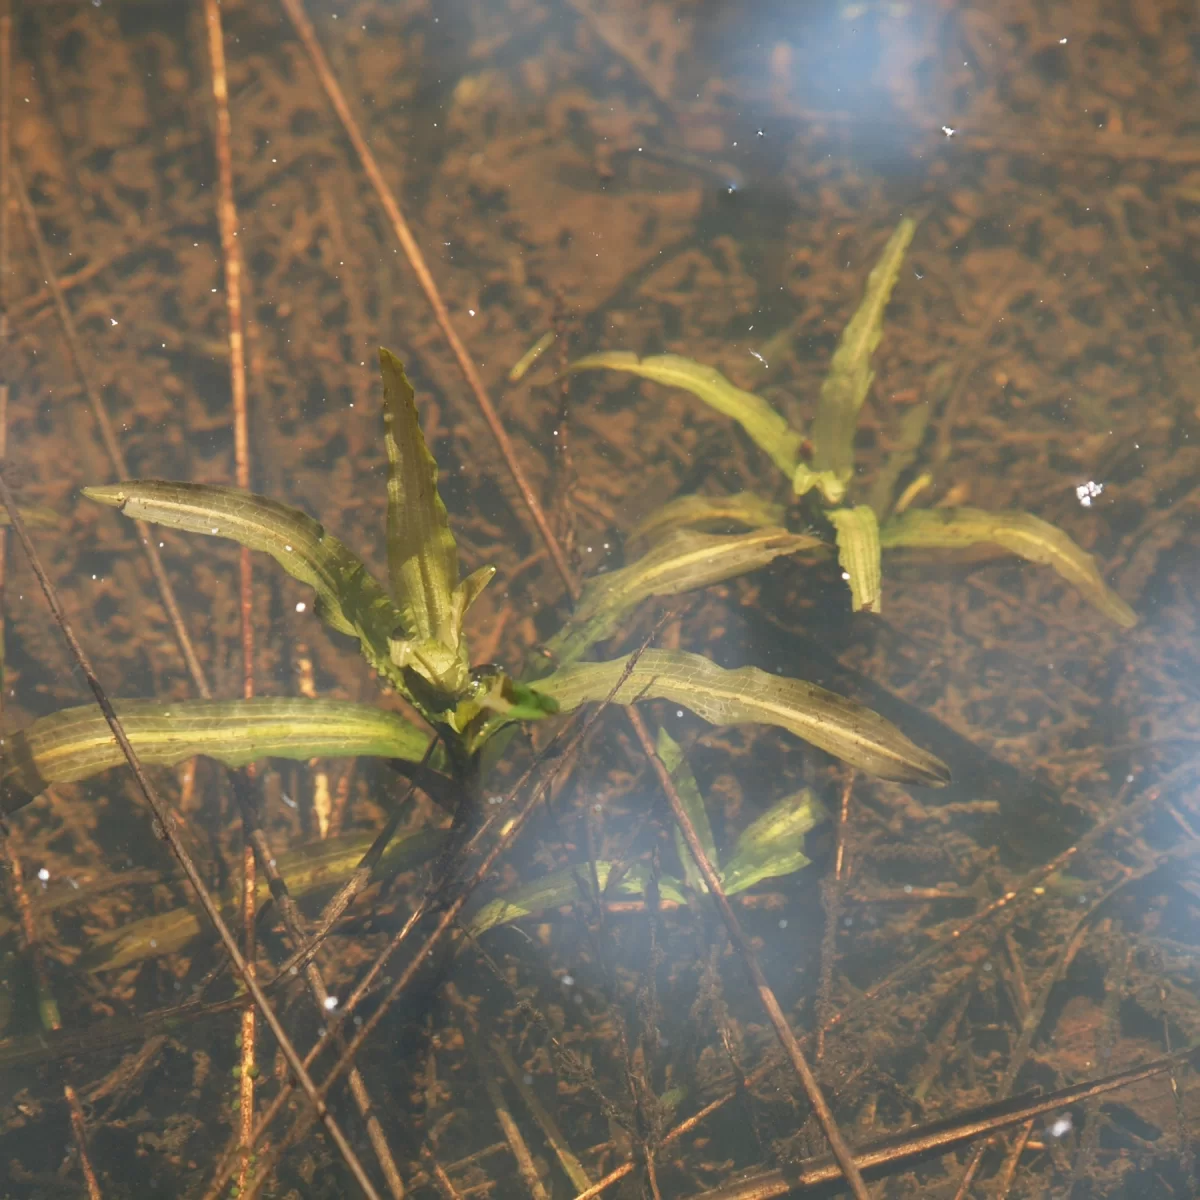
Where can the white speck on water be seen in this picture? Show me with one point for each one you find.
(1060, 1126)
(331, 1003)
(288, 549)
(783, 922)
(568, 980)
(679, 712)
(287, 800)
(44, 875)
(1087, 492)
(301, 606)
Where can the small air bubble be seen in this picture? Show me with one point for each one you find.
(331, 1003)
(44, 875)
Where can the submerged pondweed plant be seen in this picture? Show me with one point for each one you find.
(681, 555)
(411, 634)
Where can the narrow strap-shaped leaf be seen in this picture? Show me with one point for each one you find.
(773, 844)
(307, 869)
(850, 374)
(764, 425)
(77, 743)
(1019, 533)
(858, 555)
(422, 559)
(678, 562)
(349, 598)
(672, 757)
(841, 727)
(702, 512)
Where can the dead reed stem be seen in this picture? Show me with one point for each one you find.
(80, 1131)
(227, 220)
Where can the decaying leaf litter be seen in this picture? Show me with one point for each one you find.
(1037, 383)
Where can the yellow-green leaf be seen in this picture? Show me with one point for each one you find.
(850, 374)
(76, 743)
(349, 598)
(672, 758)
(1019, 533)
(804, 479)
(858, 554)
(764, 425)
(841, 727)
(679, 562)
(422, 558)
(773, 844)
(703, 512)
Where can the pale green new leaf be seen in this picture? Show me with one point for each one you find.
(679, 562)
(672, 758)
(349, 598)
(703, 512)
(841, 727)
(773, 844)
(858, 555)
(828, 483)
(76, 743)
(561, 888)
(764, 425)
(1019, 533)
(422, 557)
(850, 374)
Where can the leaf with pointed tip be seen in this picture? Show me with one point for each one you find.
(678, 562)
(1019, 533)
(704, 512)
(772, 845)
(422, 557)
(672, 758)
(850, 374)
(842, 727)
(76, 743)
(764, 425)
(349, 597)
(858, 556)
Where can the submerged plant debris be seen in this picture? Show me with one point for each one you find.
(886, 448)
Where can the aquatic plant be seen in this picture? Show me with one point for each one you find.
(412, 636)
(821, 464)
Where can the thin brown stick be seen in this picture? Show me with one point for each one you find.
(165, 828)
(1012, 1159)
(512, 1131)
(228, 222)
(416, 259)
(80, 1131)
(108, 435)
(787, 1038)
(832, 893)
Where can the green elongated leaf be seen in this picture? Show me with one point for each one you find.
(678, 562)
(349, 598)
(77, 743)
(764, 425)
(422, 557)
(561, 888)
(850, 374)
(858, 554)
(773, 844)
(701, 512)
(1019, 533)
(306, 870)
(689, 792)
(842, 727)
